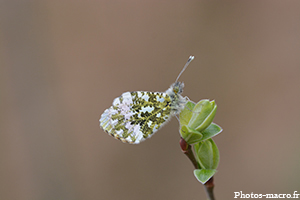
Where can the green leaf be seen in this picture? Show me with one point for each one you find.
(186, 113)
(211, 131)
(203, 175)
(190, 135)
(203, 115)
(207, 154)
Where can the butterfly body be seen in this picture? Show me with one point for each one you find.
(136, 116)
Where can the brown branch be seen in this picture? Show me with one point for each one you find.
(209, 187)
(187, 150)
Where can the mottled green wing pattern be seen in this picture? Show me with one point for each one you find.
(136, 116)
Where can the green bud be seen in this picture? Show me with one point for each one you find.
(196, 121)
(207, 154)
(203, 115)
(190, 135)
(186, 113)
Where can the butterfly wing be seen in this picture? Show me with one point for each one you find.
(136, 116)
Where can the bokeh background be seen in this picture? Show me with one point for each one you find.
(63, 62)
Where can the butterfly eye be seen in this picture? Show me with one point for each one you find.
(176, 89)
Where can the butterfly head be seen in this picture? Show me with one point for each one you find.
(177, 87)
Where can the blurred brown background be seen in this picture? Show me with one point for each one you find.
(63, 63)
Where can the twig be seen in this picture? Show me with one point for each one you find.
(187, 150)
(209, 187)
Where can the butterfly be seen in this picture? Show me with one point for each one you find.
(136, 116)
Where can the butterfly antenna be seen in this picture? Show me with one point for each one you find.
(185, 66)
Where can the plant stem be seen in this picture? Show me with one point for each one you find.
(209, 187)
(187, 150)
